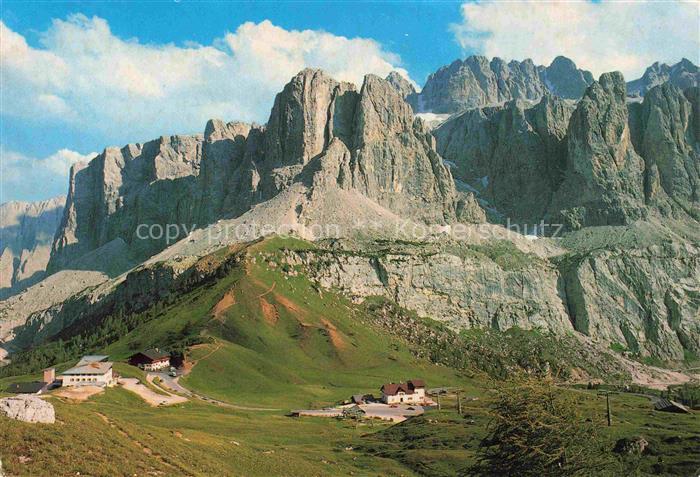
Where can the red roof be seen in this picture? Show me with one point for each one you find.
(392, 389)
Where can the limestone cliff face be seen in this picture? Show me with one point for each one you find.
(602, 161)
(394, 161)
(666, 133)
(604, 179)
(229, 173)
(151, 183)
(683, 75)
(26, 232)
(644, 297)
(322, 136)
(456, 285)
(477, 82)
(514, 155)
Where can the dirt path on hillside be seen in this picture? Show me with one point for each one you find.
(150, 396)
(268, 290)
(144, 448)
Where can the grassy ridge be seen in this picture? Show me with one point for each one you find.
(289, 344)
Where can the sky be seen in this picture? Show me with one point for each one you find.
(76, 77)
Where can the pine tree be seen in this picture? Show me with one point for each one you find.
(537, 430)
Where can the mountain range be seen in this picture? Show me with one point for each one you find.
(524, 145)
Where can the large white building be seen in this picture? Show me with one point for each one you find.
(90, 371)
(412, 392)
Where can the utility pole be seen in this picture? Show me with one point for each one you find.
(607, 404)
(438, 396)
(459, 404)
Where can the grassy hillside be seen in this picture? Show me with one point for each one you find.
(267, 339)
(117, 434)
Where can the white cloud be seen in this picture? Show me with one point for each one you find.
(84, 75)
(28, 178)
(604, 36)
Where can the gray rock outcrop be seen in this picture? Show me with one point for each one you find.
(602, 161)
(150, 183)
(666, 133)
(26, 233)
(615, 285)
(683, 75)
(562, 78)
(459, 284)
(513, 156)
(28, 409)
(643, 297)
(604, 179)
(322, 135)
(477, 82)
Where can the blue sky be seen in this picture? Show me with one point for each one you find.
(78, 76)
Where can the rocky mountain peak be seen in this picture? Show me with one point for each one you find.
(614, 84)
(400, 83)
(382, 108)
(604, 180)
(216, 130)
(477, 82)
(297, 129)
(683, 74)
(563, 63)
(323, 140)
(665, 134)
(564, 79)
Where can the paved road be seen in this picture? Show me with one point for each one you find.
(172, 382)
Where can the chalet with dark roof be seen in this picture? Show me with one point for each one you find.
(412, 391)
(151, 360)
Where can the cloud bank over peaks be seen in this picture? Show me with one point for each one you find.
(83, 74)
(598, 36)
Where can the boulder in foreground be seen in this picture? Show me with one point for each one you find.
(28, 409)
